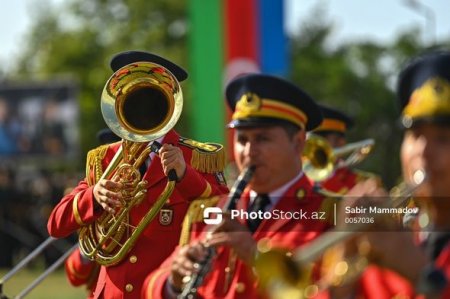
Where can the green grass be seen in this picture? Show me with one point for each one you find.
(55, 285)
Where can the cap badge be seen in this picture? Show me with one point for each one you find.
(248, 103)
(432, 98)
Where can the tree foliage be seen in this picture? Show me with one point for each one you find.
(76, 41)
(358, 78)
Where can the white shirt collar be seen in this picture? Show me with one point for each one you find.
(152, 154)
(275, 195)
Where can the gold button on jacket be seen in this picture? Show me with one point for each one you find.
(133, 259)
(129, 287)
(240, 287)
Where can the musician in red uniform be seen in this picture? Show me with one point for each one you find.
(334, 128)
(270, 119)
(424, 94)
(198, 167)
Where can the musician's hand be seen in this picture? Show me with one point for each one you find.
(172, 158)
(384, 251)
(359, 199)
(186, 262)
(369, 187)
(107, 194)
(380, 241)
(233, 234)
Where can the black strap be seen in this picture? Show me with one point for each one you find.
(260, 203)
(436, 243)
(142, 169)
(144, 166)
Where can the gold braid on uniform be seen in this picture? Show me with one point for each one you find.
(94, 169)
(206, 157)
(195, 214)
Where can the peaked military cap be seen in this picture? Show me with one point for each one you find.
(424, 89)
(258, 100)
(334, 121)
(124, 58)
(105, 136)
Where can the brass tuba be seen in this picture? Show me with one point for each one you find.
(140, 103)
(320, 159)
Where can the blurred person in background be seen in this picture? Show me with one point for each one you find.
(8, 196)
(334, 129)
(7, 139)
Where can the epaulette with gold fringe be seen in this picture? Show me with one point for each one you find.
(206, 157)
(94, 168)
(195, 214)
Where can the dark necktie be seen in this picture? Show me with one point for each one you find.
(259, 204)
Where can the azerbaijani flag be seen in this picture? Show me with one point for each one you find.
(228, 38)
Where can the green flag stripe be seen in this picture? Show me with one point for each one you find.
(206, 61)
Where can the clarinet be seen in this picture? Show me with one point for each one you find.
(196, 280)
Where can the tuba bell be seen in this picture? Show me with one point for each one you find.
(140, 103)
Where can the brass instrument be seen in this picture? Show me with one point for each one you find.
(46, 273)
(286, 275)
(140, 103)
(30, 257)
(319, 158)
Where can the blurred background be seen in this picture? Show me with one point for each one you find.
(54, 62)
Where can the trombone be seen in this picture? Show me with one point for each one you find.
(49, 241)
(320, 160)
(286, 275)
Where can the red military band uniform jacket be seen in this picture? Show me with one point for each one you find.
(385, 287)
(158, 240)
(379, 283)
(344, 179)
(443, 262)
(230, 277)
(81, 272)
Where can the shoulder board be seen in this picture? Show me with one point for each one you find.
(94, 169)
(201, 146)
(195, 214)
(206, 157)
